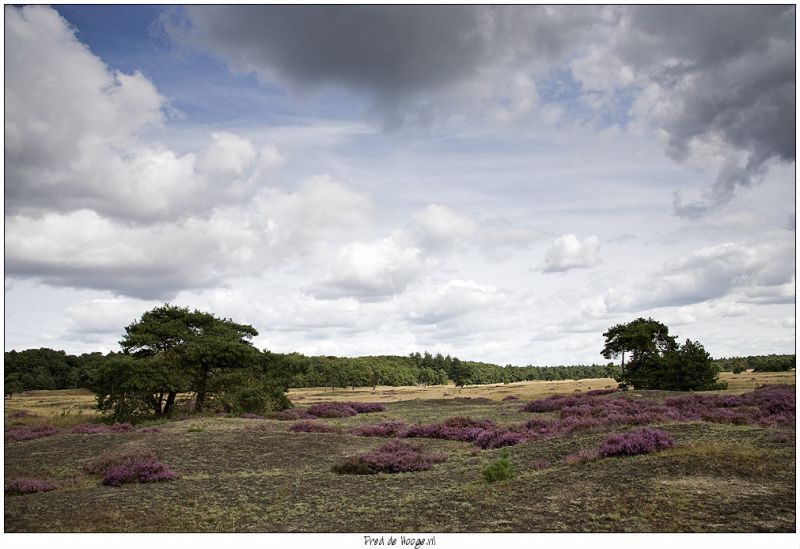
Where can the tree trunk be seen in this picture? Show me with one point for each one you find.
(201, 391)
(168, 405)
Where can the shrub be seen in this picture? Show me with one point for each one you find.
(498, 438)
(29, 432)
(366, 407)
(383, 429)
(141, 466)
(332, 410)
(396, 456)
(499, 469)
(510, 397)
(310, 426)
(26, 485)
(292, 414)
(640, 441)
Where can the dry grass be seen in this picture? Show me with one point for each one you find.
(525, 390)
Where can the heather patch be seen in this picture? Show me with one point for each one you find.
(101, 428)
(366, 407)
(465, 429)
(26, 485)
(382, 429)
(250, 415)
(332, 410)
(29, 432)
(640, 441)
(396, 456)
(510, 397)
(293, 414)
(149, 430)
(310, 426)
(141, 466)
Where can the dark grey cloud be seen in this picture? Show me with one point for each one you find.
(728, 73)
(398, 55)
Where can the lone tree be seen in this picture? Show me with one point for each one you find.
(171, 350)
(657, 361)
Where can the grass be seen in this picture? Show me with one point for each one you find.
(233, 477)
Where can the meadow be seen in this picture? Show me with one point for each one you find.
(580, 458)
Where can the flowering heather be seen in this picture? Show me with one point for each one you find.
(396, 456)
(510, 397)
(464, 429)
(640, 441)
(366, 407)
(249, 415)
(292, 415)
(149, 430)
(551, 403)
(25, 485)
(382, 429)
(497, 438)
(117, 469)
(310, 426)
(332, 409)
(101, 428)
(29, 432)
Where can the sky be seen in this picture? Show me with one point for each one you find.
(500, 184)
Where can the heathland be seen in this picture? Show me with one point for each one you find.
(558, 456)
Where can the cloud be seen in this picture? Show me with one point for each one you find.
(755, 274)
(406, 59)
(73, 136)
(568, 253)
(85, 250)
(442, 303)
(714, 76)
(370, 271)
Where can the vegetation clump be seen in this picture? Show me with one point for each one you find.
(332, 410)
(632, 443)
(309, 426)
(27, 485)
(382, 429)
(499, 469)
(142, 466)
(396, 456)
(29, 432)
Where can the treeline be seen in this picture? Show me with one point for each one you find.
(760, 363)
(36, 369)
(44, 368)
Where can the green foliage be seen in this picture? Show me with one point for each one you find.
(499, 469)
(657, 361)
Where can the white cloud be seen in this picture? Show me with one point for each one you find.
(568, 252)
(370, 271)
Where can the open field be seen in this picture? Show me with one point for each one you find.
(255, 475)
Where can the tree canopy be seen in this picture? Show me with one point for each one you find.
(656, 359)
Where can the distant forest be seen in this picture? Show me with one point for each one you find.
(50, 369)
